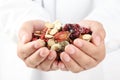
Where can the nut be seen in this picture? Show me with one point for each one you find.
(56, 36)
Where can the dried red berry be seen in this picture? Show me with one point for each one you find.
(73, 29)
(84, 30)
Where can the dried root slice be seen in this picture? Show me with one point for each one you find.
(49, 25)
(87, 37)
(57, 25)
(53, 31)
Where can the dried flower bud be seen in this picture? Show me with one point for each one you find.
(56, 47)
(64, 43)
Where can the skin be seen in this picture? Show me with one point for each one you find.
(83, 55)
(79, 56)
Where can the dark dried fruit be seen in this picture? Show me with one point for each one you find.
(84, 30)
(73, 29)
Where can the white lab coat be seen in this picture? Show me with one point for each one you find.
(14, 12)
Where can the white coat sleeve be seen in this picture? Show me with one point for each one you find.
(108, 13)
(13, 13)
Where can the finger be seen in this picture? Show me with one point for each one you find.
(90, 49)
(55, 65)
(70, 63)
(25, 32)
(80, 57)
(47, 63)
(25, 50)
(37, 58)
(62, 66)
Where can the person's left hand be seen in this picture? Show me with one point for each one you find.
(83, 55)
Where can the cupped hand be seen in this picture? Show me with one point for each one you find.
(33, 53)
(83, 55)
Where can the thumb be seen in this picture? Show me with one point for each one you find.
(96, 39)
(25, 32)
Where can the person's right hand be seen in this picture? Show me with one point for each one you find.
(33, 53)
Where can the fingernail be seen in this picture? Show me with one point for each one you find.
(78, 42)
(71, 50)
(43, 54)
(66, 57)
(51, 56)
(97, 40)
(37, 45)
(24, 37)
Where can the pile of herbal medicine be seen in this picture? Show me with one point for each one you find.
(55, 36)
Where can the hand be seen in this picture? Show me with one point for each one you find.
(33, 53)
(83, 55)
